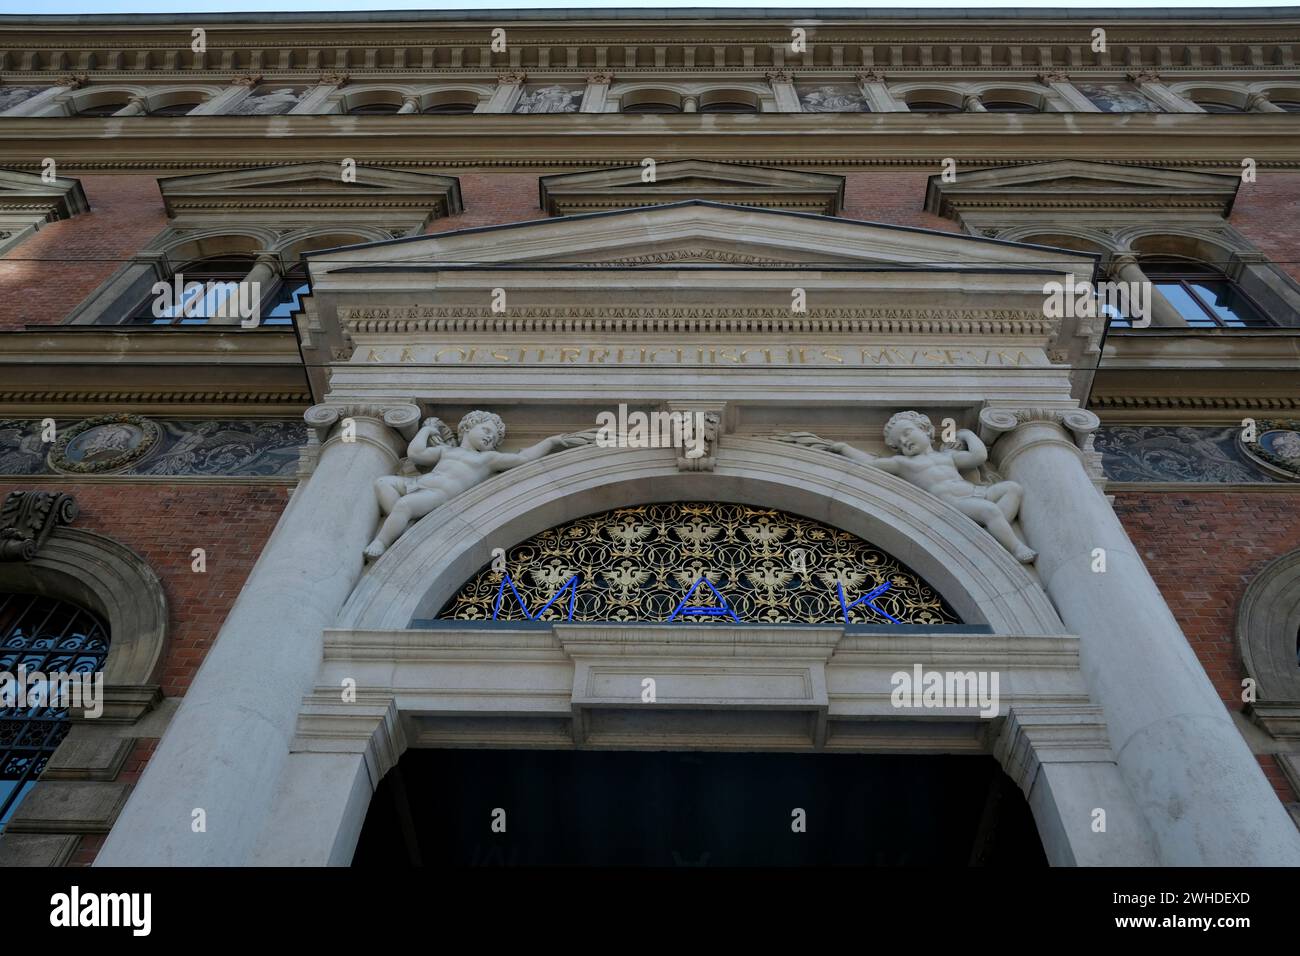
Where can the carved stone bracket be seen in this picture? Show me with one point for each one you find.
(73, 81)
(779, 76)
(249, 80)
(27, 519)
(334, 79)
(871, 76)
(600, 79)
(1144, 76)
(512, 79)
(712, 414)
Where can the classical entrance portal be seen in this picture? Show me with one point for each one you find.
(563, 808)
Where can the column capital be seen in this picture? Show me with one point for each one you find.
(73, 81)
(779, 76)
(600, 78)
(1057, 77)
(971, 103)
(403, 418)
(333, 79)
(870, 76)
(512, 79)
(249, 80)
(996, 421)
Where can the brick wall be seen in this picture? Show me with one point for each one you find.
(163, 524)
(1203, 548)
(51, 272)
(1267, 212)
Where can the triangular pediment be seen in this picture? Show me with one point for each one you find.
(1081, 187)
(629, 187)
(318, 187)
(30, 197)
(697, 233)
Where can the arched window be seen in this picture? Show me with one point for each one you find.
(41, 639)
(728, 101)
(651, 101)
(1290, 106)
(1203, 295)
(220, 277)
(699, 563)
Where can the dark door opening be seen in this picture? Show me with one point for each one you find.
(620, 808)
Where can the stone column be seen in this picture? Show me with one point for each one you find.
(510, 86)
(1259, 103)
(228, 745)
(876, 90)
(410, 104)
(593, 100)
(134, 107)
(970, 103)
(1154, 90)
(1124, 267)
(690, 103)
(1205, 799)
(314, 99)
(787, 101)
(1060, 85)
(238, 89)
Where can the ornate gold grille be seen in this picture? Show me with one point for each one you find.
(641, 564)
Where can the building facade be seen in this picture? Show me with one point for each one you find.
(901, 403)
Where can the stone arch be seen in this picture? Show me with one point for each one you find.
(355, 97)
(1268, 622)
(434, 558)
(107, 577)
(1229, 94)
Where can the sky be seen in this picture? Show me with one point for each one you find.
(263, 6)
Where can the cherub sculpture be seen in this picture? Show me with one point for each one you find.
(454, 467)
(937, 471)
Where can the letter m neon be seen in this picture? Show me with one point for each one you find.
(570, 585)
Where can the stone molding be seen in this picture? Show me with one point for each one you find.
(981, 582)
(1268, 618)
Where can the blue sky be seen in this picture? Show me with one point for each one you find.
(261, 6)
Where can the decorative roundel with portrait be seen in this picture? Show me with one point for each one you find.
(97, 446)
(1276, 447)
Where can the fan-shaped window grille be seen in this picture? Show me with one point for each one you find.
(699, 562)
(41, 641)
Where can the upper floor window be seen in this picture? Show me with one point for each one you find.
(102, 109)
(456, 108)
(174, 109)
(376, 109)
(41, 639)
(651, 101)
(728, 101)
(1202, 295)
(221, 289)
(1008, 106)
(924, 104)
(1290, 106)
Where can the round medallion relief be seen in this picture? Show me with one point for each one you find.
(1276, 448)
(101, 445)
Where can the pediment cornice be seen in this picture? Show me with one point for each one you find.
(627, 187)
(1076, 186)
(311, 188)
(30, 195)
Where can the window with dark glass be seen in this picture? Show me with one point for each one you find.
(652, 106)
(174, 109)
(1008, 106)
(1212, 107)
(1202, 295)
(102, 109)
(375, 109)
(1290, 106)
(932, 106)
(452, 109)
(39, 637)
